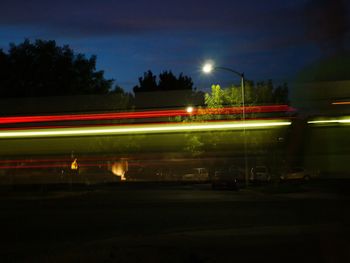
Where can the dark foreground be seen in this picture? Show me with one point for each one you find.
(176, 223)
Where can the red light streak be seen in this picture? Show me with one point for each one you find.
(145, 114)
(59, 165)
(34, 166)
(27, 128)
(80, 159)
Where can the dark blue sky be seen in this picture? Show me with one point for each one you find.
(265, 39)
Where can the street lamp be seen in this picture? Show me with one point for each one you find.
(207, 69)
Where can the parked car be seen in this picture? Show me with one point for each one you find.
(260, 174)
(296, 173)
(196, 174)
(226, 178)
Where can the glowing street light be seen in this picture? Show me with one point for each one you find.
(207, 69)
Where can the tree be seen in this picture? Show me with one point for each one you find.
(231, 96)
(147, 83)
(167, 90)
(261, 93)
(125, 99)
(281, 94)
(44, 69)
(264, 92)
(216, 99)
(167, 81)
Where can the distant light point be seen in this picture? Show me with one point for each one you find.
(189, 109)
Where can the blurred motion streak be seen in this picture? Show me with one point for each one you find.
(341, 103)
(144, 129)
(330, 121)
(47, 166)
(145, 114)
(51, 160)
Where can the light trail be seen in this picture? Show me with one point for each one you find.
(330, 121)
(67, 159)
(341, 103)
(144, 114)
(44, 166)
(142, 129)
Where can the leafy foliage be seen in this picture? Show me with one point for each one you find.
(261, 93)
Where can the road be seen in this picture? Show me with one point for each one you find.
(175, 223)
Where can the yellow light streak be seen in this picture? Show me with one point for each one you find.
(142, 129)
(337, 121)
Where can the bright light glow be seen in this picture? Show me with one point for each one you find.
(207, 68)
(141, 129)
(189, 109)
(329, 121)
(120, 168)
(74, 165)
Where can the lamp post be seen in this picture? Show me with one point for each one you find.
(207, 69)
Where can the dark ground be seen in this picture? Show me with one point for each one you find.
(176, 223)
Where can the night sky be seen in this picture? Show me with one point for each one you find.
(270, 39)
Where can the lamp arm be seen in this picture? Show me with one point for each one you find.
(231, 70)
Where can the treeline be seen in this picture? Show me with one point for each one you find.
(42, 68)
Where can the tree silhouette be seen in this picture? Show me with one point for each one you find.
(167, 81)
(126, 99)
(45, 69)
(147, 83)
(281, 94)
(167, 90)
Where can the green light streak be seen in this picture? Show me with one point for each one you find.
(141, 129)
